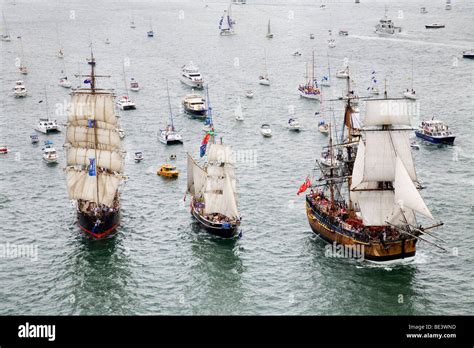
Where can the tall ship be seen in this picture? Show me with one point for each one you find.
(212, 187)
(94, 158)
(367, 198)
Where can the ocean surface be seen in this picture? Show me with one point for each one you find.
(160, 261)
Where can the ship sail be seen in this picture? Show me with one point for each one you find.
(384, 176)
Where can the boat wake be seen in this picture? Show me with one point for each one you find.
(413, 41)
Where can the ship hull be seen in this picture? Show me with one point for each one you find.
(449, 140)
(216, 229)
(106, 228)
(374, 252)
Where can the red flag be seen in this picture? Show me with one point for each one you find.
(206, 139)
(304, 187)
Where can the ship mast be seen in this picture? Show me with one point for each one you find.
(348, 119)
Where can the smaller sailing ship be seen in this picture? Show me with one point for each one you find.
(263, 79)
(226, 24)
(94, 160)
(212, 187)
(269, 32)
(23, 69)
(5, 36)
(310, 89)
(169, 135)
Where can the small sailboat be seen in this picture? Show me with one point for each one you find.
(134, 86)
(373, 89)
(191, 76)
(50, 155)
(150, 33)
(311, 36)
(5, 36)
(138, 157)
(266, 130)
(226, 24)
(331, 40)
(124, 102)
(410, 93)
(239, 115)
(132, 23)
(23, 69)
(34, 138)
(46, 125)
(269, 32)
(169, 135)
(19, 91)
(168, 171)
(263, 79)
(294, 125)
(310, 89)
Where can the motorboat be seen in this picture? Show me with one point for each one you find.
(124, 103)
(294, 125)
(343, 32)
(60, 54)
(195, 105)
(107, 41)
(121, 133)
(150, 33)
(168, 171)
(434, 26)
(468, 54)
(327, 161)
(249, 94)
(264, 80)
(323, 127)
(423, 10)
(410, 94)
(46, 126)
(414, 145)
(134, 86)
(191, 76)
(138, 157)
(49, 153)
(386, 27)
(64, 82)
(19, 91)
(435, 132)
(34, 138)
(132, 25)
(311, 36)
(296, 54)
(4, 149)
(343, 74)
(23, 70)
(266, 130)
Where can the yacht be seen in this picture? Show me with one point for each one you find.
(434, 26)
(64, 82)
(410, 94)
(323, 127)
(266, 130)
(249, 94)
(46, 126)
(49, 152)
(468, 54)
(386, 26)
(19, 90)
(343, 74)
(34, 138)
(436, 132)
(124, 103)
(195, 104)
(191, 76)
(4, 149)
(134, 86)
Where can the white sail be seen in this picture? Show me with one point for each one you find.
(376, 206)
(225, 22)
(406, 194)
(220, 153)
(83, 186)
(358, 170)
(86, 137)
(190, 175)
(387, 112)
(220, 197)
(199, 179)
(86, 106)
(229, 199)
(106, 159)
(381, 149)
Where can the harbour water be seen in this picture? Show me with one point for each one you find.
(160, 262)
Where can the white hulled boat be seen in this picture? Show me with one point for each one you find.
(263, 79)
(331, 40)
(410, 93)
(134, 86)
(310, 89)
(294, 125)
(22, 68)
(49, 153)
(19, 91)
(269, 32)
(226, 24)
(385, 27)
(169, 135)
(266, 130)
(191, 76)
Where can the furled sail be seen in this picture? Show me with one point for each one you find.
(83, 186)
(106, 159)
(387, 112)
(87, 106)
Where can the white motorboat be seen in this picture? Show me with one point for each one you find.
(249, 94)
(294, 125)
(326, 160)
(121, 133)
(323, 127)
(19, 91)
(264, 80)
(46, 126)
(138, 157)
(311, 36)
(410, 94)
(386, 27)
(343, 74)
(343, 32)
(269, 33)
(414, 145)
(191, 76)
(134, 86)
(124, 103)
(226, 24)
(49, 153)
(34, 138)
(64, 82)
(266, 130)
(169, 135)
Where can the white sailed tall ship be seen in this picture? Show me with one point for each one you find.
(213, 191)
(226, 24)
(94, 158)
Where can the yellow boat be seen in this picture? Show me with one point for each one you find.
(168, 170)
